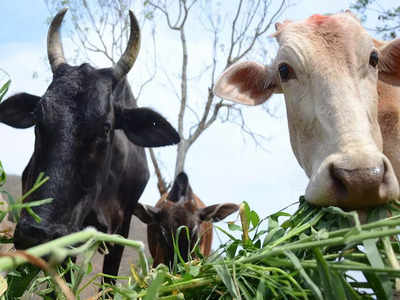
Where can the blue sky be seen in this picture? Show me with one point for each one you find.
(25, 21)
(222, 166)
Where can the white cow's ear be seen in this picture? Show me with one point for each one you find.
(247, 83)
(389, 62)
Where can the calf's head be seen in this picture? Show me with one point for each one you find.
(328, 67)
(178, 208)
(76, 123)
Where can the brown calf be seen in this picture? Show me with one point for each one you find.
(180, 207)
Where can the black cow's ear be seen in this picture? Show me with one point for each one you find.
(17, 111)
(179, 188)
(146, 213)
(217, 212)
(144, 127)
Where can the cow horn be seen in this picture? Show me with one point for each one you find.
(55, 50)
(127, 59)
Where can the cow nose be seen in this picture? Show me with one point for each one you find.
(362, 187)
(355, 180)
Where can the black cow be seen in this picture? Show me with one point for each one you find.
(89, 138)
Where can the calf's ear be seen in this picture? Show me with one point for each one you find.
(217, 212)
(17, 111)
(146, 128)
(247, 83)
(389, 62)
(146, 213)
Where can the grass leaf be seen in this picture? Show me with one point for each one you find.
(226, 278)
(4, 89)
(314, 288)
(333, 289)
(380, 283)
(152, 291)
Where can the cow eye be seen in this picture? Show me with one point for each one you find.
(373, 59)
(286, 72)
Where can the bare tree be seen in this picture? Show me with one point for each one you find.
(244, 23)
(231, 29)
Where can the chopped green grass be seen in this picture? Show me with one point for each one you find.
(307, 255)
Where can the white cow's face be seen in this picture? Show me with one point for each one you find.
(327, 69)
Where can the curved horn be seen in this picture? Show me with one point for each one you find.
(127, 59)
(55, 50)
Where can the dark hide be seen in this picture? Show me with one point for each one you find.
(87, 128)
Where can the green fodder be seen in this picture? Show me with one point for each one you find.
(312, 254)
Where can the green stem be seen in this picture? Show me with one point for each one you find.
(321, 243)
(33, 189)
(389, 222)
(300, 229)
(392, 259)
(183, 286)
(348, 266)
(7, 263)
(180, 296)
(89, 282)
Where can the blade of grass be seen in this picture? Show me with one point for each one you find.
(314, 288)
(333, 289)
(226, 278)
(155, 286)
(4, 89)
(391, 256)
(382, 285)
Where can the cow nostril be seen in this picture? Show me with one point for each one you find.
(385, 172)
(338, 180)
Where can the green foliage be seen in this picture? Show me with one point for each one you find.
(20, 279)
(283, 257)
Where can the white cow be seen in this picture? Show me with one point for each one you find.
(342, 104)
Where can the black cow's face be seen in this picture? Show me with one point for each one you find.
(74, 123)
(81, 124)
